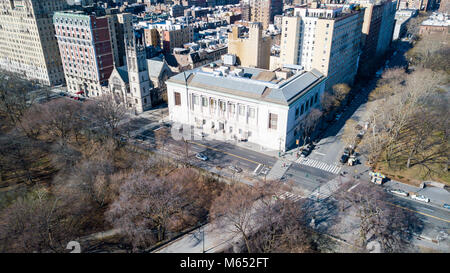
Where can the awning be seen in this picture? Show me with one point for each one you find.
(79, 92)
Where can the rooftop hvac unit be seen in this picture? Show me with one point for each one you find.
(239, 72)
(229, 59)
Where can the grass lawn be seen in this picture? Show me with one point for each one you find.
(413, 176)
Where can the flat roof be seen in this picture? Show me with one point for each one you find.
(253, 83)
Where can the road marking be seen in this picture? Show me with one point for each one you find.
(428, 209)
(218, 150)
(318, 153)
(319, 165)
(353, 187)
(432, 216)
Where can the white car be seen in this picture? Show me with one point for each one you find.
(419, 197)
(201, 156)
(399, 192)
(235, 169)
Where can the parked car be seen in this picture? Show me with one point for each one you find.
(235, 169)
(344, 158)
(419, 197)
(200, 134)
(447, 206)
(360, 134)
(201, 156)
(307, 150)
(139, 137)
(265, 171)
(348, 151)
(399, 192)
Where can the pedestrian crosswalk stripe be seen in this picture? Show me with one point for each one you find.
(319, 165)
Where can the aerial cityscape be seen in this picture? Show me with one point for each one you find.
(224, 126)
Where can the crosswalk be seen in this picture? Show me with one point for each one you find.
(319, 165)
(290, 196)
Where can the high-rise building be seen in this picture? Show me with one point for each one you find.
(116, 31)
(245, 11)
(324, 37)
(264, 10)
(377, 29)
(425, 5)
(86, 52)
(27, 40)
(251, 51)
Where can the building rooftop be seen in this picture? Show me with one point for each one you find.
(437, 19)
(281, 86)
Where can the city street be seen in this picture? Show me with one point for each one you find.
(308, 174)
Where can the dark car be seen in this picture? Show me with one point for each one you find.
(348, 151)
(307, 150)
(344, 158)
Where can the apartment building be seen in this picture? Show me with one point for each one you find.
(437, 23)
(253, 50)
(377, 29)
(228, 102)
(170, 35)
(425, 5)
(28, 44)
(118, 28)
(86, 52)
(263, 11)
(323, 37)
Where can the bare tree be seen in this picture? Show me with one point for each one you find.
(145, 208)
(341, 91)
(391, 81)
(38, 222)
(282, 228)
(234, 211)
(106, 115)
(60, 119)
(431, 52)
(328, 103)
(379, 219)
(20, 155)
(309, 123)
(15, 97)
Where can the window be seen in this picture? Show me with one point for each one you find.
(251, 112)
(195, 99)
(232, 108)
(273, 119)
(204, 101)
(222, 106)
(177, 98)
(296, 112)
(241, 110)
(302, 109)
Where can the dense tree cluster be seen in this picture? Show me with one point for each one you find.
(408, 121)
